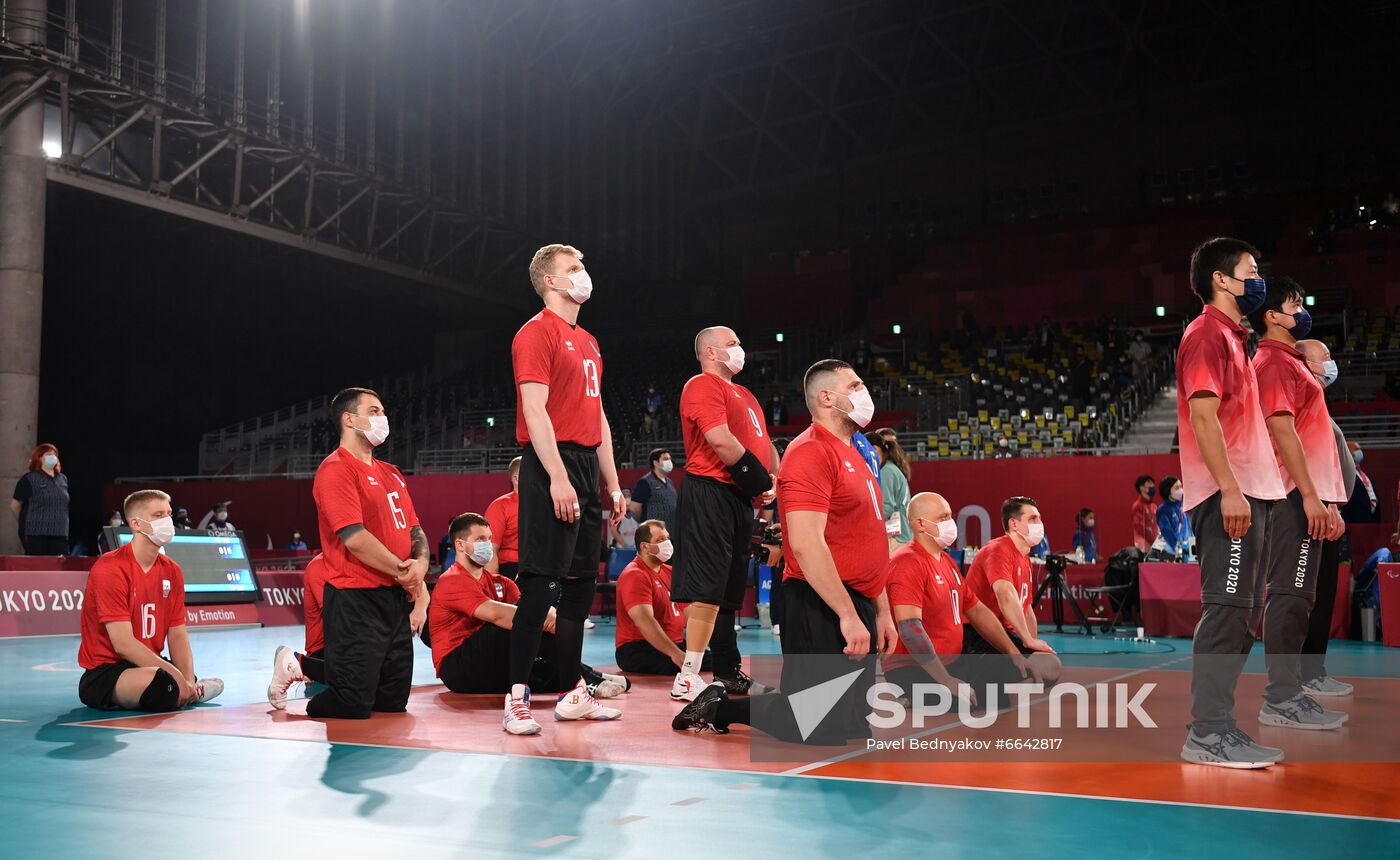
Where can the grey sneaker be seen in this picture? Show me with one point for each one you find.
(1232, 748)
(1274, 753)
(1327, 686)
(1300, 712)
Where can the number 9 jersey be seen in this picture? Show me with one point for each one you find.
(709, 401)
(349, 491)
(566, 358)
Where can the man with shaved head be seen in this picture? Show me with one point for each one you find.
(930, 602)
(729, 461)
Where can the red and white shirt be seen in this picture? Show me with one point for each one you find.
(504, 516)
(375, 495)
(640, 585)
(564, 357)
(1001, 560)
(916, 577)
(1287, 387)
(709, 401)
(452, 612)
(118, 589)
(313, 589)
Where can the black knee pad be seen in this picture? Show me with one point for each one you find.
(162, 694)
(577, 599)
(537, 595)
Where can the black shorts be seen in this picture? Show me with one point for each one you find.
(974, 644)
(481, 664)
(640, 658)
(96, 685)
(368, 652)
(977, 670)
(509, 569)
(812, 630)
(1294, 558)
(1232, 571)
(548, 545)
(714, 524)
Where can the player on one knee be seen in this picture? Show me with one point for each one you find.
(1295, 412)
(376, 556)
(1000, 577)
(930, 600)
(729, 463)
(650, 635)
(470, 620)
(133, 601)
(568, 453)
(504, 515)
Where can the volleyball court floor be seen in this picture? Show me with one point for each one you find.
(233, 778)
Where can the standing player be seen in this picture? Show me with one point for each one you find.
(504, 516)
(1296, 414)
(1000, 578)
(133, 600)
(1232, 482)
(650, 636)
(376, 556)
(568, 443)
(729, 462)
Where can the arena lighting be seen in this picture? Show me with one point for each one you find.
(779, 337)
(490, 422)
(899, 329)
(1310, 301)
(1161, 310)
(52, 149)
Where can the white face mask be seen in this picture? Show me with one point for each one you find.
(862, 407)
(735, 361)
(667, 466)
(1035, 533)
(51, 460)
(1178, 493)
(582, 285)
(162, 531)
(665, 550)
(1357, 457)
(1329, 372)
(482, 552)
(378, 429)
(947, 533)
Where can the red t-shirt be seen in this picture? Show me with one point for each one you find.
(504, 516)
(456, 597)
(313, 586)
(1287, 387)
(375, 495)
(822, 473)
(1145, 530)
(118, 589)
(640, 584)
(1212, 360)
(709, 401)
(915, 577)
(1001, 559)
(565, 358)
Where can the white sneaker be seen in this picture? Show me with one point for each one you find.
(621, 679)
(776, 631)
(577, 704)
(687, 687)
(517, 719)
(286, 671)
(589, 624)
(209, 689)
(607, 689)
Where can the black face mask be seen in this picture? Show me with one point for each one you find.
(1150, 491)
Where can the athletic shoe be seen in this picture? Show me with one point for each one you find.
(286, 671)
(1232, 748)
(776, 631)
(1327, 686)
(578, 704)
(1301, 712)
(606, 689)
(687, 687)
(589, 624)
(207, 689)
(621, 679)
(700, 715)
(740, 684)
(517, 719)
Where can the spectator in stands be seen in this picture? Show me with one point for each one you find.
(777, 411)
(1140, 351)
(894, 487)
(862, 356)
(40, 503)
(182, 519)
(651, 404)
(114, 519)
(446, 554)
(296, 544)
(654, 497)
(1144, 514)
(624, 534)
(1172, 523)
(1362, 506)
(1084, 535)
(650, 429)
(1003, 450)
(216, 520)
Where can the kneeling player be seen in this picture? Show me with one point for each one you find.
(650, 628)
(133, 600)
(469, 630)
(930, 601)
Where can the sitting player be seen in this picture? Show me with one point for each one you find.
(469, 626)
(134, 599)
(650, 628)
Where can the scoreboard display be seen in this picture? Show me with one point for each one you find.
(217, 568)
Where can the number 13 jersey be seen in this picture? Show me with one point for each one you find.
(566, 358)
(375, 495)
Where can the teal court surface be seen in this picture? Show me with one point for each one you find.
(234, 779)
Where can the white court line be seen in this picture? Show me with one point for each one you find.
(628, 819)
(10, 721)
(553, 841)
(689, 801)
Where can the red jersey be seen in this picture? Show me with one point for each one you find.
(313, 586)
(504, 516)
(639, 584)
(1000, 559)
(1287, 387)
(1212, 360)
(375, 495)
(457, 596)
(1145, 529)
(118, 589)
(709, 401)
(565, 358)
(822, 473)
(916, 577)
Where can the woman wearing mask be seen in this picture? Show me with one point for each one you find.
(114, 519)
(40, 503)
(1171, 519)
(1085, 537)
(894, 487)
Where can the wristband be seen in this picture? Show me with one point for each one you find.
(615, 495)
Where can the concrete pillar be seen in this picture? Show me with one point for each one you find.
(22, 186)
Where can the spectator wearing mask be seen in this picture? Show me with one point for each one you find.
(624, 534)
(894, 488)
(1144, 514)
(777, 411)
(651, 403)
(1140, 352)
(40, 503)
(654, 497)
(217, 519)
(1362, 506)
(1085, 537)
(1003, 451)
(114, 519)
(296, 544)
(182, 519)
(1172, 523)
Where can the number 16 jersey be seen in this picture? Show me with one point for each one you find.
(349, 491)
